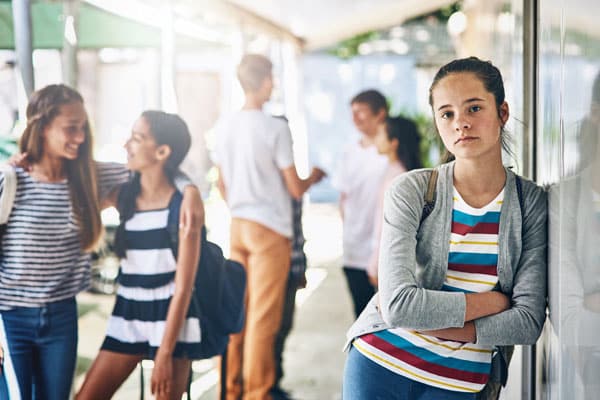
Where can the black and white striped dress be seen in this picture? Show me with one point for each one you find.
(146, 286)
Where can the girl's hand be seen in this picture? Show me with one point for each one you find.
(162, 375)
(19, 160)
(503, 301)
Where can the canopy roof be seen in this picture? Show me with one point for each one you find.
(324, 23)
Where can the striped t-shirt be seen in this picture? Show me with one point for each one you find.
(41, 260)
(472, 264)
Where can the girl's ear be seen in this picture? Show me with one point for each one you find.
(163, 152)
(394, 143)
(504, 113)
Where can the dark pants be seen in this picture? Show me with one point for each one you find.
(287, 320)
(40, 350)
(361, 289)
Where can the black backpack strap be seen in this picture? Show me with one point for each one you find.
(519, 184)
(430, 195)
(223, 382)
(189, 384)
(142, 385)
(173, 221)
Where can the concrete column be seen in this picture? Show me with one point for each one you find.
(69, 50)
(23, 43)
(168, 97)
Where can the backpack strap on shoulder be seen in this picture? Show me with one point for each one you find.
(9, 192)
(173, 221)
(430, 196)
(519, 185)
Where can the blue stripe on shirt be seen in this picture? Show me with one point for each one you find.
(472, 220)
(463, 365)
(472, 258)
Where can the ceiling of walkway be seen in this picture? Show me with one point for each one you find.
(322, 23)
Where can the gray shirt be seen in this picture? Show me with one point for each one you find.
(414, 260)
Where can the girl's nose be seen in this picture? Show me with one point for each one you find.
(80, 136)
(462, 124)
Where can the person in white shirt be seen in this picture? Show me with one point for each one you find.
(359, 179)
(257, 178)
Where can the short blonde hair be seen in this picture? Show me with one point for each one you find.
(253, 70)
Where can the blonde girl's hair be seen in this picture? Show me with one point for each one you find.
(43, 107)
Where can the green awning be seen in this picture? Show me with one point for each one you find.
(96, 28)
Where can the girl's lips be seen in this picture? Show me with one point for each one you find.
(465, 139)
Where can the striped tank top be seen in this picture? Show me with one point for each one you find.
(472, 268)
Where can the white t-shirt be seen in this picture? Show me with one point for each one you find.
(359, 177)
(251, 150)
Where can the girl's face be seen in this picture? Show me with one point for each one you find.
(466, 116)
(142, 150)
(66, 132)
(382, 142)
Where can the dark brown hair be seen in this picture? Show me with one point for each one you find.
(373, 98)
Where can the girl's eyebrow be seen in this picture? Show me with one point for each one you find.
(471, 100)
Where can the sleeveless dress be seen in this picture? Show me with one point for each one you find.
(146, 286)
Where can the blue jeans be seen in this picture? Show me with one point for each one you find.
(366, 380)
(40, 350)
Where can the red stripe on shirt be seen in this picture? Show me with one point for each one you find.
(421, 364)
(474, 268)
(482, 227)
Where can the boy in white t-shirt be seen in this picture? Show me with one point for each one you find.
(257, 179)
(359, 179)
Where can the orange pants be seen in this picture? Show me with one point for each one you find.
(266, 257)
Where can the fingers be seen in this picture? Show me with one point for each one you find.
(161, 389)
(19, 160)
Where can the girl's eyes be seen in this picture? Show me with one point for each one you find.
(72, 129)
(450, 114)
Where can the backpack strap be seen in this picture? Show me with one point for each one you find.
(430, 196)
(173, 222)
(7, 199)
(520, 195)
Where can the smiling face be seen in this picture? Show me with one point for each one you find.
(142, 150)
(467, 117)
(66, 132)
(365, 120)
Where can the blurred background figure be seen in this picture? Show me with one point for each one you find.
(358, 178)
(398, 139)
(258, 178)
